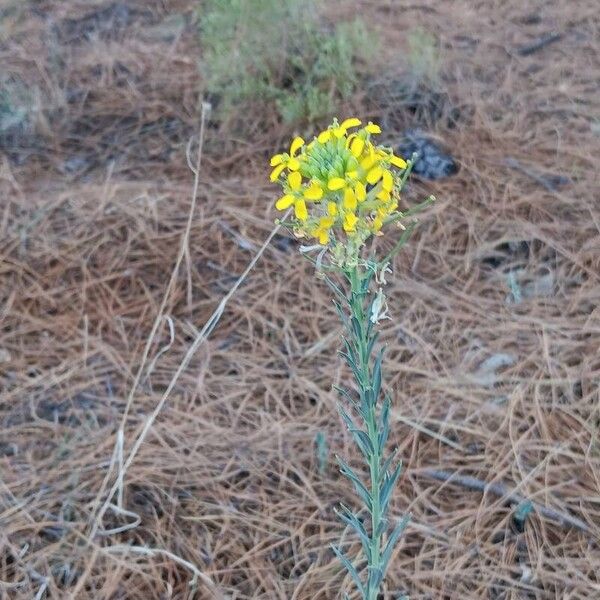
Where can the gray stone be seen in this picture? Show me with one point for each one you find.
(432, 162)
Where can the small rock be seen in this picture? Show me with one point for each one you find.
(432, 162)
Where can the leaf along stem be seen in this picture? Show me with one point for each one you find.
(370, 435)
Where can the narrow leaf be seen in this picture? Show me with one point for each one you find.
(383, 526)
(372, 341)
(356, 328)
(341, 314)
(350, 351)
(363, 442)
(360, 488)
(386, 465)
(346, 417)
(350, 568)
(377, 375)
(366, 282)
(353, 521)
(392, 540)
(350, 362)
(336, 290)
(384, 425)
(388, 486)
(346, 395)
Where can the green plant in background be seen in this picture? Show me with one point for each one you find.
(344, 190)
(423, 56)
(278, 53)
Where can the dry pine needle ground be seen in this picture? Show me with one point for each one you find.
(493, 349)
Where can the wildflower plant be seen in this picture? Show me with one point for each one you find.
(341, 190)
(281, 55)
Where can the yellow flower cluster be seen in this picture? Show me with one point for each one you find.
(340, 184)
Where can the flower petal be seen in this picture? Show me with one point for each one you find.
(276, 172)
(350, 222)
(368, 162)
(398, 162)
(313, 192)
(295, 181)
(284, 202)
(384, 195)
(276, 160)
(360, 191)
(357, 147)
(388, 181)
(336, 183)
(300, 209)
(373, 128)
(352, 122)
(296, 145)
(374, 175)
(332, 208)
(293, 164)
(349, 199)
(324, 136)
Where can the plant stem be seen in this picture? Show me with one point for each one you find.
(362, 337)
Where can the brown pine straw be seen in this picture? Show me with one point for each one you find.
(496, 403)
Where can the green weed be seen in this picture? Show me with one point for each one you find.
(278, 55)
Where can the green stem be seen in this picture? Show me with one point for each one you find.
(362, 341)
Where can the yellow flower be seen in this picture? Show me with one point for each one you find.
(350, 220)
(341, 186)
(289, 161)
(373, 128)
(384, 195)
(294, 182)
(360, 191)
(398, 162)
(324, 136)
(357, 146)
(285, 202)
(349, 199)
(336, 183)
(368, 162)
(321, 232)
(313, 192)
(388, 181)
(300, 209)
(374, 175)
(337, 131)
(343, 128)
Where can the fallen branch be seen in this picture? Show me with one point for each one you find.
(510, 496)
(542, 42)
(549, 182)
